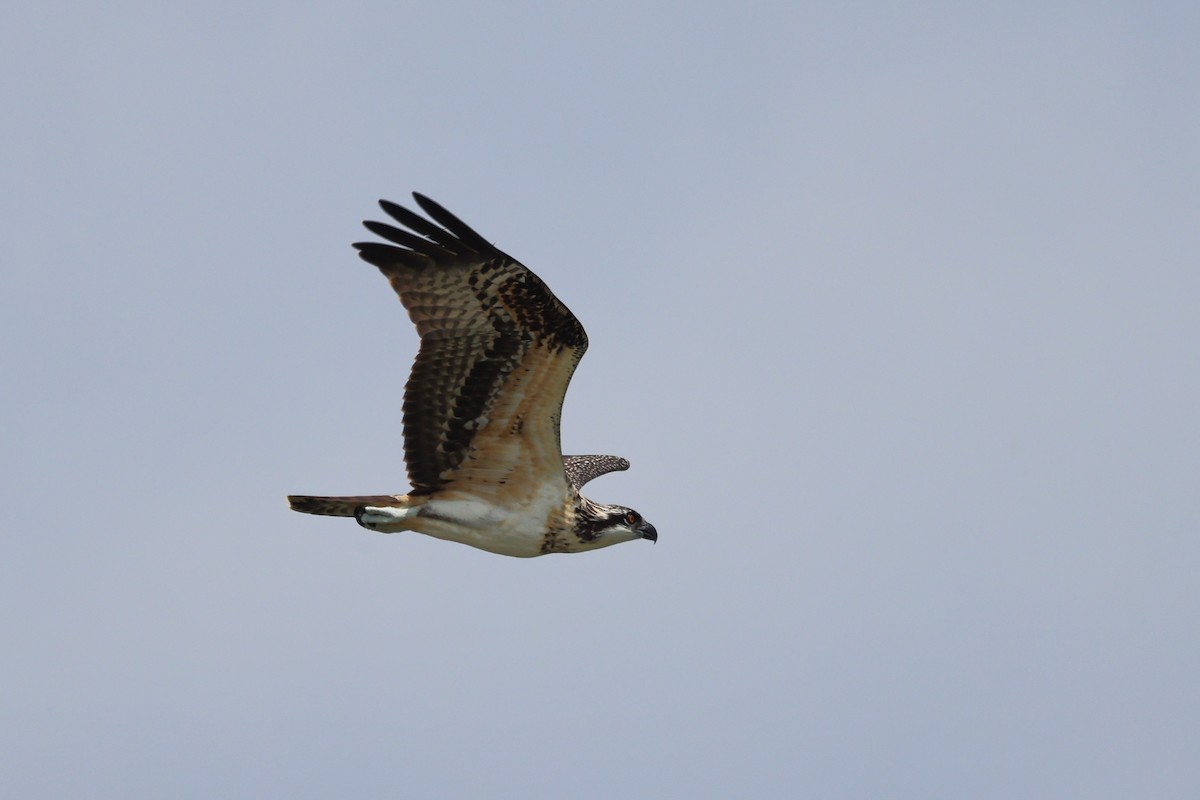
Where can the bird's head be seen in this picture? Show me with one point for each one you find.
(610, 524)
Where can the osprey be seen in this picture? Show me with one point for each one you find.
(482, 404)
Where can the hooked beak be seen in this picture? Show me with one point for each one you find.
(647, 531)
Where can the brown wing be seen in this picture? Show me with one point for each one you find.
(497, 352)
(581, 469)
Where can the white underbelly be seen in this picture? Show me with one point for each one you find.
(519, 531)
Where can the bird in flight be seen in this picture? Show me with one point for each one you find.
(483, 402)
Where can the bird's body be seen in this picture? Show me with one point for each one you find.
(482, 405)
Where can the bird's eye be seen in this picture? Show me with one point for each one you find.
(631, 518)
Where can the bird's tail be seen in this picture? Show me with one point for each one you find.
(341, 506)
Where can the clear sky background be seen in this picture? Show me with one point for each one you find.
(894, 310)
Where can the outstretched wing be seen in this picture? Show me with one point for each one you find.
(498, 349)
(581, 469)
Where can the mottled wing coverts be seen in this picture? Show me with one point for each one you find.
(581, 469)
(489, 328)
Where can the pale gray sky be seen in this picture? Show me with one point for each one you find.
(893, 310)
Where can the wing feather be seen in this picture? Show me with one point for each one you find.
(497, 352)
(426, 230)
(411, 241)
(464, 232)
(581, 469)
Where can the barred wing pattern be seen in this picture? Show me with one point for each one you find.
(483, 403)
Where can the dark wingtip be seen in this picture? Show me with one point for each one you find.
(438, 213)
(381, 255)
(390, 208)
(423, 200)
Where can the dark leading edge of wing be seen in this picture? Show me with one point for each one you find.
(480, 314)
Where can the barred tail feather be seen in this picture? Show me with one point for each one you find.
(341, 506)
